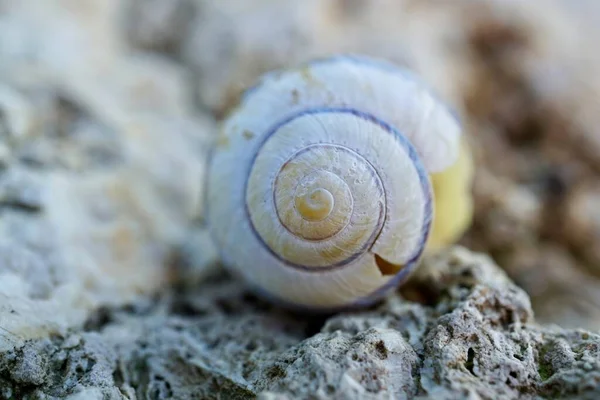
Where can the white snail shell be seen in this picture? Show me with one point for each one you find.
(319, 193)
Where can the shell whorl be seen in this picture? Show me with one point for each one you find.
(351, 185)
(319, 193)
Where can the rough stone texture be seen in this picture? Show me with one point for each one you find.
(101, 171)
(474, 338)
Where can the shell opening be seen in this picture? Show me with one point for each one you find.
(386, 267)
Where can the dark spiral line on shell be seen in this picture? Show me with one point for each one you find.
(416, 161)
(375, 175)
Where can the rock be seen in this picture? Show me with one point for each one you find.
(102, 162)
(229, 44)
(70, 37)
(374, 362)
(475, 337)
(583, 223)
(196, 258)
(158, 25)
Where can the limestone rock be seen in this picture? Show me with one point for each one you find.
(474, 337)
(102, 162)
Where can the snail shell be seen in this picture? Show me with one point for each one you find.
(319, 191)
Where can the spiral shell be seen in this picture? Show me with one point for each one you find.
(319, 193)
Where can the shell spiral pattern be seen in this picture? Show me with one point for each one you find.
(319, 193)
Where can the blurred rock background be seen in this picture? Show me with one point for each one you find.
(108, 108)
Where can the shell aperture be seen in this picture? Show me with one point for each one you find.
(328, 202)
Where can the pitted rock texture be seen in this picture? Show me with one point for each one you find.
(460, 330)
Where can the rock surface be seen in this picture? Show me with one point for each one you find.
(102, 160)
(474, 338)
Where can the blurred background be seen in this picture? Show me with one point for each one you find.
(108, 106)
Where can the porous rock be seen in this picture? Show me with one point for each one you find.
(459, 329)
